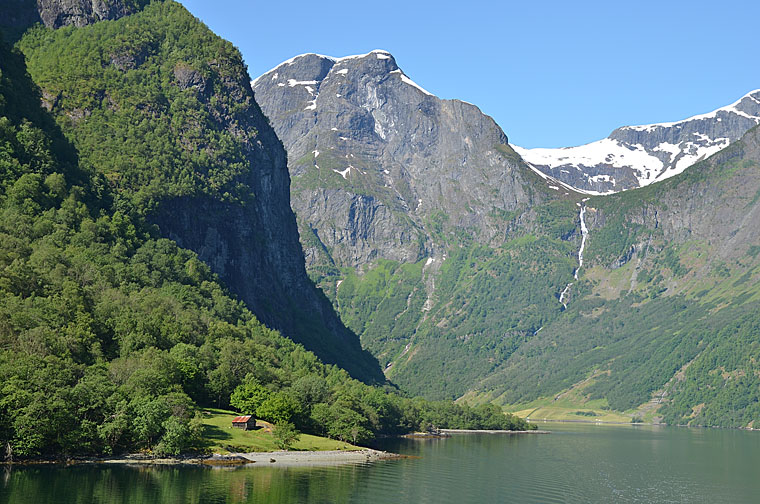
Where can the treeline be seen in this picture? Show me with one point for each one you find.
(111, 339)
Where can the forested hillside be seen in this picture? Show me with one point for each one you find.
(162, 108)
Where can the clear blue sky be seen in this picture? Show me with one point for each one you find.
(552, 74)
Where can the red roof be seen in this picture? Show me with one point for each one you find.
(241, 419)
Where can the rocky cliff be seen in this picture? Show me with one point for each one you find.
(18, 15)
(636, 156)
(377, 162)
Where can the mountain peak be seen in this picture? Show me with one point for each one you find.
(636, 156)
(747, 106)
(377, 62)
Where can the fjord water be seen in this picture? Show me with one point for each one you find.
(576, 463)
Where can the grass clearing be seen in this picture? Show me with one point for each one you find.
(569, 405)
(219, 436)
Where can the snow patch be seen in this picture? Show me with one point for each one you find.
(342, 71)
(409, 81)
(429, 261)
(379, 130)
(293, 82)
(344, 173)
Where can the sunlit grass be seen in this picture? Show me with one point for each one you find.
(219, 436)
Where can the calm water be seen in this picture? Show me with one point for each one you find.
(576, 463)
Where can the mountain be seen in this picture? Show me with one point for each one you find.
(163, 109)
(641, 302)
(428, 232)
(373, 156)
(636, 156)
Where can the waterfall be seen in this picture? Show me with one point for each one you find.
(584, 234)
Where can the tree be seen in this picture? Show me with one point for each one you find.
(248, 397)
(278, 408)
(285, 434)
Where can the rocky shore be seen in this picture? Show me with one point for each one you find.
(274, 458)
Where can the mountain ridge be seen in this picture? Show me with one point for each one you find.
(636, 156)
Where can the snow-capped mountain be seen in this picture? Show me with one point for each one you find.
(635, 156)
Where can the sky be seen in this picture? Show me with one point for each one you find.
(552, 74)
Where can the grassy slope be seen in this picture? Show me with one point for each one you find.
(439, 328)
(220, 437)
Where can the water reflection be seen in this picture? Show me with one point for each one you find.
(579, 463)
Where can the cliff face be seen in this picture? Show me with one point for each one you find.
(375, 158)
(58, 13)
(188, 148)
(18, 15)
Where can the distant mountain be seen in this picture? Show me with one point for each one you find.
(636, 156)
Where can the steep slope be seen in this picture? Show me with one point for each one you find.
(438, 245)
(636, 156)
(372, 156)
(669, 309)
(163, 108)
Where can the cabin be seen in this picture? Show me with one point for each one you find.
(246, 422)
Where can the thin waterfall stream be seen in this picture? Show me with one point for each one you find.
(564, 295)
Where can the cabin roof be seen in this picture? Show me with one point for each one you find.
(241, 419)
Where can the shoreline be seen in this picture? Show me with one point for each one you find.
(605, 422)
(216, 460)
(486, 431)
